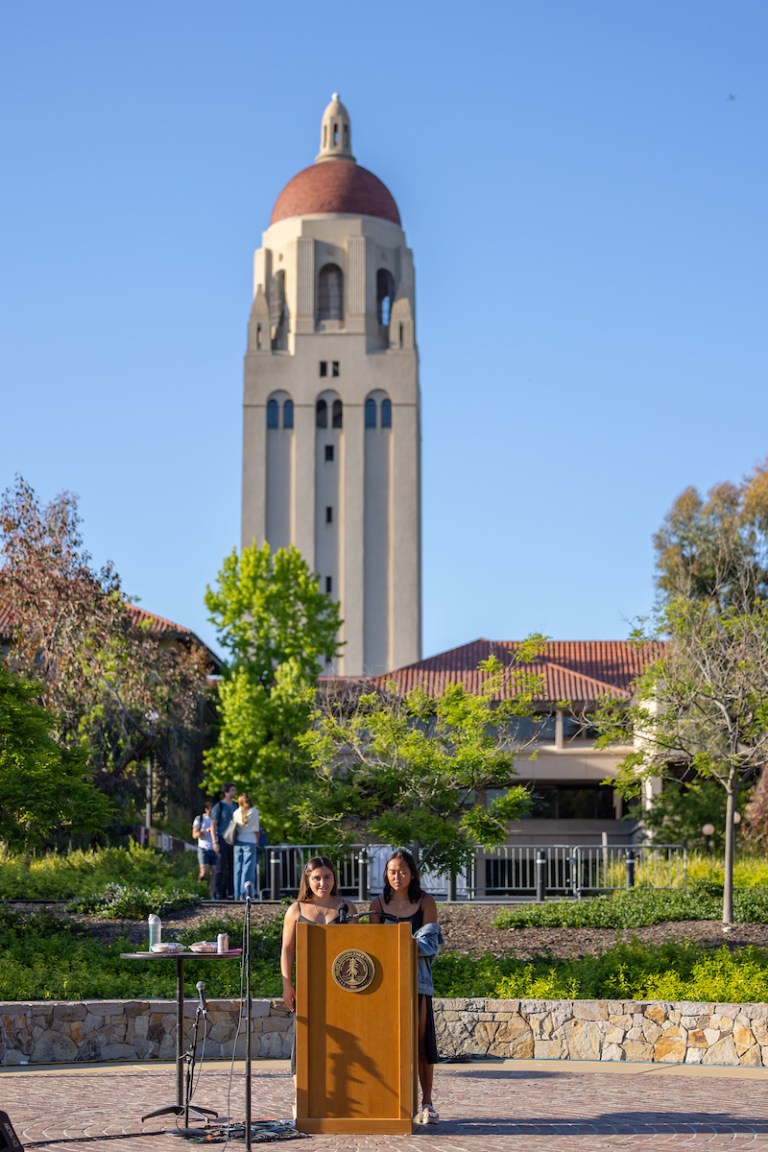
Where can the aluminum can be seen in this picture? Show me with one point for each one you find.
(222, 942)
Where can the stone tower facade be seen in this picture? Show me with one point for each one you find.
(331, 436)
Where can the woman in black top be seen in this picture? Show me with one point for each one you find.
(404, 898)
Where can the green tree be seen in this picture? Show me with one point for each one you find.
(716, 547)
(702, 708)
(279, 630)
(683, 809)
(104, 676)
(412, 769)
(44, 787)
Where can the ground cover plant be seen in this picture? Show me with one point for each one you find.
(638, 907)
(630, 970)
(88, 874)
(72, 950)
(50, 957)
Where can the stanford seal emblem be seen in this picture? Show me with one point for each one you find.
(353, 970)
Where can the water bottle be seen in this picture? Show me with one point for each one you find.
(155, 931)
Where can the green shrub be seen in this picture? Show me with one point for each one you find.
(633, 970)
(52, 876)
(51, 958)
(129, 902)
(638, 908)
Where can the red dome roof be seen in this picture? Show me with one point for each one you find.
(335, 186)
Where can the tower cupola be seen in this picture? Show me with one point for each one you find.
(335, 133)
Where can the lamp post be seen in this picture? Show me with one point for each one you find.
(152, 718)
(708, 832)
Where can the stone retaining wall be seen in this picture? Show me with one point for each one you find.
(92, 1030)
(684, 1033)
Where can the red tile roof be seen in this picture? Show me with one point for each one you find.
(579, 671)
(335, 186)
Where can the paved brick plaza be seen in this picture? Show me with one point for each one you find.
(533, 1106)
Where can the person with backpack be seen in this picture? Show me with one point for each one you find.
(221, 817)
(206, 857)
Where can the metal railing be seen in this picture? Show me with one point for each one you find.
(511, 871)
(514, 870)
(608, 868)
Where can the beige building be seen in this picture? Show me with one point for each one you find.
(331, 438)
(564, 771)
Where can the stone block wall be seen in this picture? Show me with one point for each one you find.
(684, 1033)
(95, 1030)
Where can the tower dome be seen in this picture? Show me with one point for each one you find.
(335, 182)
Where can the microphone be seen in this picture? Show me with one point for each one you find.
(248, 890)
(201, 994)
(343, 914)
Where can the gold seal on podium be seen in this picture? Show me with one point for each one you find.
(353, 970)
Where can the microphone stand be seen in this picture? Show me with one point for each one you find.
(190, 1060)
(248, 1038)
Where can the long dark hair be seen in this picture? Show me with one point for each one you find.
(305, 892)
(415, 890)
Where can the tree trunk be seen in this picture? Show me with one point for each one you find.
(730, 808)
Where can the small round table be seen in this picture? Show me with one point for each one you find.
(180, 1107)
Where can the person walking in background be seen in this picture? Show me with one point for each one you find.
(206, 857)
(404, 898)
(221, 817)
(246, 818)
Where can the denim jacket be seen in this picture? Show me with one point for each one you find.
(428, 938)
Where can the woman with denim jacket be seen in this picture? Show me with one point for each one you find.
(404, 898)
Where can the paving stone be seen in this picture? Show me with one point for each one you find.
(526, 1106)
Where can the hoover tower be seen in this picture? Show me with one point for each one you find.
(331, 438)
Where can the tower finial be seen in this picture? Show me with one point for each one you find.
(335, 132)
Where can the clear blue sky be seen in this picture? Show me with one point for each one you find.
(584, 184)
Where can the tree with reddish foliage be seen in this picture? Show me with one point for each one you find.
(111, 683)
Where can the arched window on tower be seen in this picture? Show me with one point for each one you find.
(321, 414)
(330, 293)
(378, 411)
(385, 296)
(273, 414)
(288, 414)
(338, 414)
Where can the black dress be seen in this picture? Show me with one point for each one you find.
(429, 1047)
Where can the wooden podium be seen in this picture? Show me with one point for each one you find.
(356, 1028)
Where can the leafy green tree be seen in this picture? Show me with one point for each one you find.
(716, 547)
(702, 708)
(683, 809)
(412, 769)
(44, 787)
(701, 711)
(279, 630)
(104, 676)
